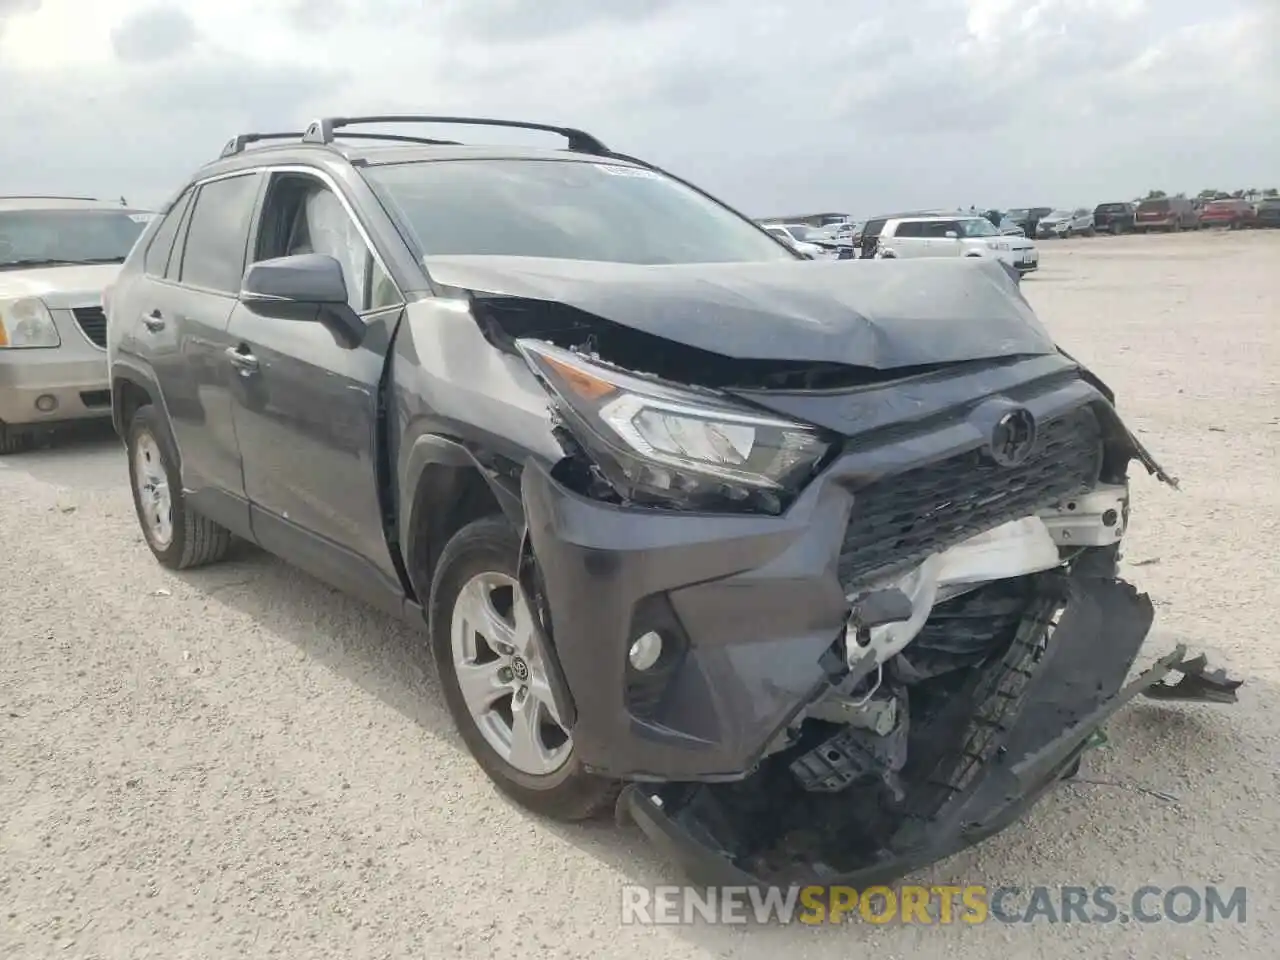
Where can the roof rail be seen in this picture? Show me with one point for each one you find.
(237, 144)
(325, 129)
(44, 196)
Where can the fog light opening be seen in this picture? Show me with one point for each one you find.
(646, 650)
(46, 403)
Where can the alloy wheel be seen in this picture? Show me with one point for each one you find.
(502, 675)
(151, 485)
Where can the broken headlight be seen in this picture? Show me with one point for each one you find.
(661, 443)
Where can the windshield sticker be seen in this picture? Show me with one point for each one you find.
(619, 171)
(142, 217)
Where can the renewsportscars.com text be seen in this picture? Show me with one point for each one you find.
(934, 905)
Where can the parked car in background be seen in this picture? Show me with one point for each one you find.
(1028, 218)
(57, 255)
(1165, 213)
(1115, 218)
(804, 238)
(1065, 223)
(911, 237)
(1232, 214)
(1269, 212)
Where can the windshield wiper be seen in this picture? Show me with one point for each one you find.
(54, 262)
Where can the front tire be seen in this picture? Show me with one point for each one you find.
(178, 537)
(495, 680)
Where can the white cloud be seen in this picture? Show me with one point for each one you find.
(847, 104)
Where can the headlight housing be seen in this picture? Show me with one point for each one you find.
(676, 446)
(27, 323)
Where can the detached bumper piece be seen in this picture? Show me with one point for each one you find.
(980, 751)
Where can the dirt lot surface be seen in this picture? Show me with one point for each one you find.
(240, 761)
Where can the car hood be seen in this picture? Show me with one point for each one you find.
(55, 285)
(880, 314)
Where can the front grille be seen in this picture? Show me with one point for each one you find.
(94, 324)
(900, 520)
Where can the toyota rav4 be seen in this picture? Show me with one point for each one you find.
(809, 568)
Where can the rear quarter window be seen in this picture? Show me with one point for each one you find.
(157, 257)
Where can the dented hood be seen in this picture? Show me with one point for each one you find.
(881, 314)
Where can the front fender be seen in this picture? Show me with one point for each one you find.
(428, 450)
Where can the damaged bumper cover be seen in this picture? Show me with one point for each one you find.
(1073, 689)
(752, 608)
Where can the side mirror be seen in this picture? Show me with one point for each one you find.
(952, 235)
(306, 287)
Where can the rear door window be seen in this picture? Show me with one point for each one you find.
(218, 234)
(938, 229)
(909, 229)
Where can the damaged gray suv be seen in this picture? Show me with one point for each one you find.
(808, 568)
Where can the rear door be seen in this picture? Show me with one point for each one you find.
(307, 406)
(909, 239)
(183, 329)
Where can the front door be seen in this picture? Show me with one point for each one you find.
(306, 405)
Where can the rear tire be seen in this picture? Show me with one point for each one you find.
(178, 537)
(486, 552)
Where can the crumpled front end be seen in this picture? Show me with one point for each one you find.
(871, 625)
(969, 756)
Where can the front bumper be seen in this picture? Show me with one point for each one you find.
(73, 375)
(1074, 689)
(752, 608)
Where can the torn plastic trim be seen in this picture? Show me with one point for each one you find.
(1140, 451)
(528, 576)
(704, 862)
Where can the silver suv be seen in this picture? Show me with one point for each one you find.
(57, 255)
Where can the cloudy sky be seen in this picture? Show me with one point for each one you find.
(779, 106)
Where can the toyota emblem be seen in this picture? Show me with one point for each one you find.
(1014, 437)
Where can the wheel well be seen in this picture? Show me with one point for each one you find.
(446, 500)
(126, 397)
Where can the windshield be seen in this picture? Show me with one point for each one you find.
(977, 227)
(568, 210)
(801, 232)
(36, 237)
(1112, 207)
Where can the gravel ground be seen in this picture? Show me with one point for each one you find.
(240, 761)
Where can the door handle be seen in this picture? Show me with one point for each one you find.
(245, 362)
(153, 321)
